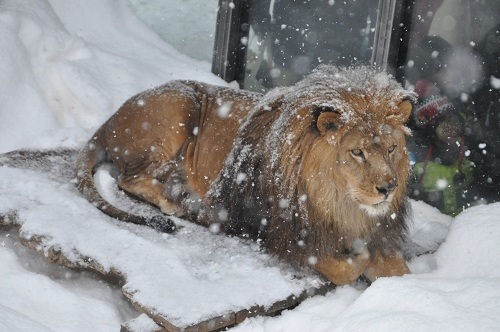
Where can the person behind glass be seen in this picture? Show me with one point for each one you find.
(438, 129)
(485, 125)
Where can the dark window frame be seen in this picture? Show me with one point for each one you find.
(229, 51)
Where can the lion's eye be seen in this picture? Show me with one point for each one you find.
(392, 148)
(358, 153)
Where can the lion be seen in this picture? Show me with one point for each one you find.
(316, 172)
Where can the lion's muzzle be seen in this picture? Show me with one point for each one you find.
(386, 188)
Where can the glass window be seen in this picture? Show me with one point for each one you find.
(453, 65)
(288, 38)
(191, 32)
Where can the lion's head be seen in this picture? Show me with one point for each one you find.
(325, 163)
(362, 153)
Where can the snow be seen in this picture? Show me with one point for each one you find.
(460, 293)
(495, 82)
(66, 66)
(76, 300)
(178, 269)
(469, 250)
(71, 64)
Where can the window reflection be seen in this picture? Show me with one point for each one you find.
(288, 38)
(190, 32)
(453, 65)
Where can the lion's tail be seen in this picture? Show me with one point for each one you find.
(90, 158)
(57, 162)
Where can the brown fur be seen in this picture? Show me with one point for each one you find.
(282, 168)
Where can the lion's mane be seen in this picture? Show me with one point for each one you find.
(262, 194)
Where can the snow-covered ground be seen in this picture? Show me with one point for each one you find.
(66, 65)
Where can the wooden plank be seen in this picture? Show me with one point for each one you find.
(55, 166)
(161, 323)
(234, 318)
(142, 323)
(279, 306)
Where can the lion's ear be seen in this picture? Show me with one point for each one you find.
(402, 113)
(328, 120)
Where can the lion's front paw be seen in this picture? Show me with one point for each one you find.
(342, 271)
(386, 266)
(170, 208)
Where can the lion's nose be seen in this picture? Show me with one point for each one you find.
(385, 188)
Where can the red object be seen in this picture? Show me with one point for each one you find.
(425, 88)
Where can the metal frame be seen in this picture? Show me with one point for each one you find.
(383, 33)
(229, 52)
(390, 44)
(398, 60)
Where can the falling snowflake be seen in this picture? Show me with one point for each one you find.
(312, 260)
(222, 215)
(214, 228)
(441, 184)
(284, 203)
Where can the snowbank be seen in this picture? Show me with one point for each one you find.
(68, 65)
(461, 294)
(31, 301)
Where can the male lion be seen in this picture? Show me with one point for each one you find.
(317, 171)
